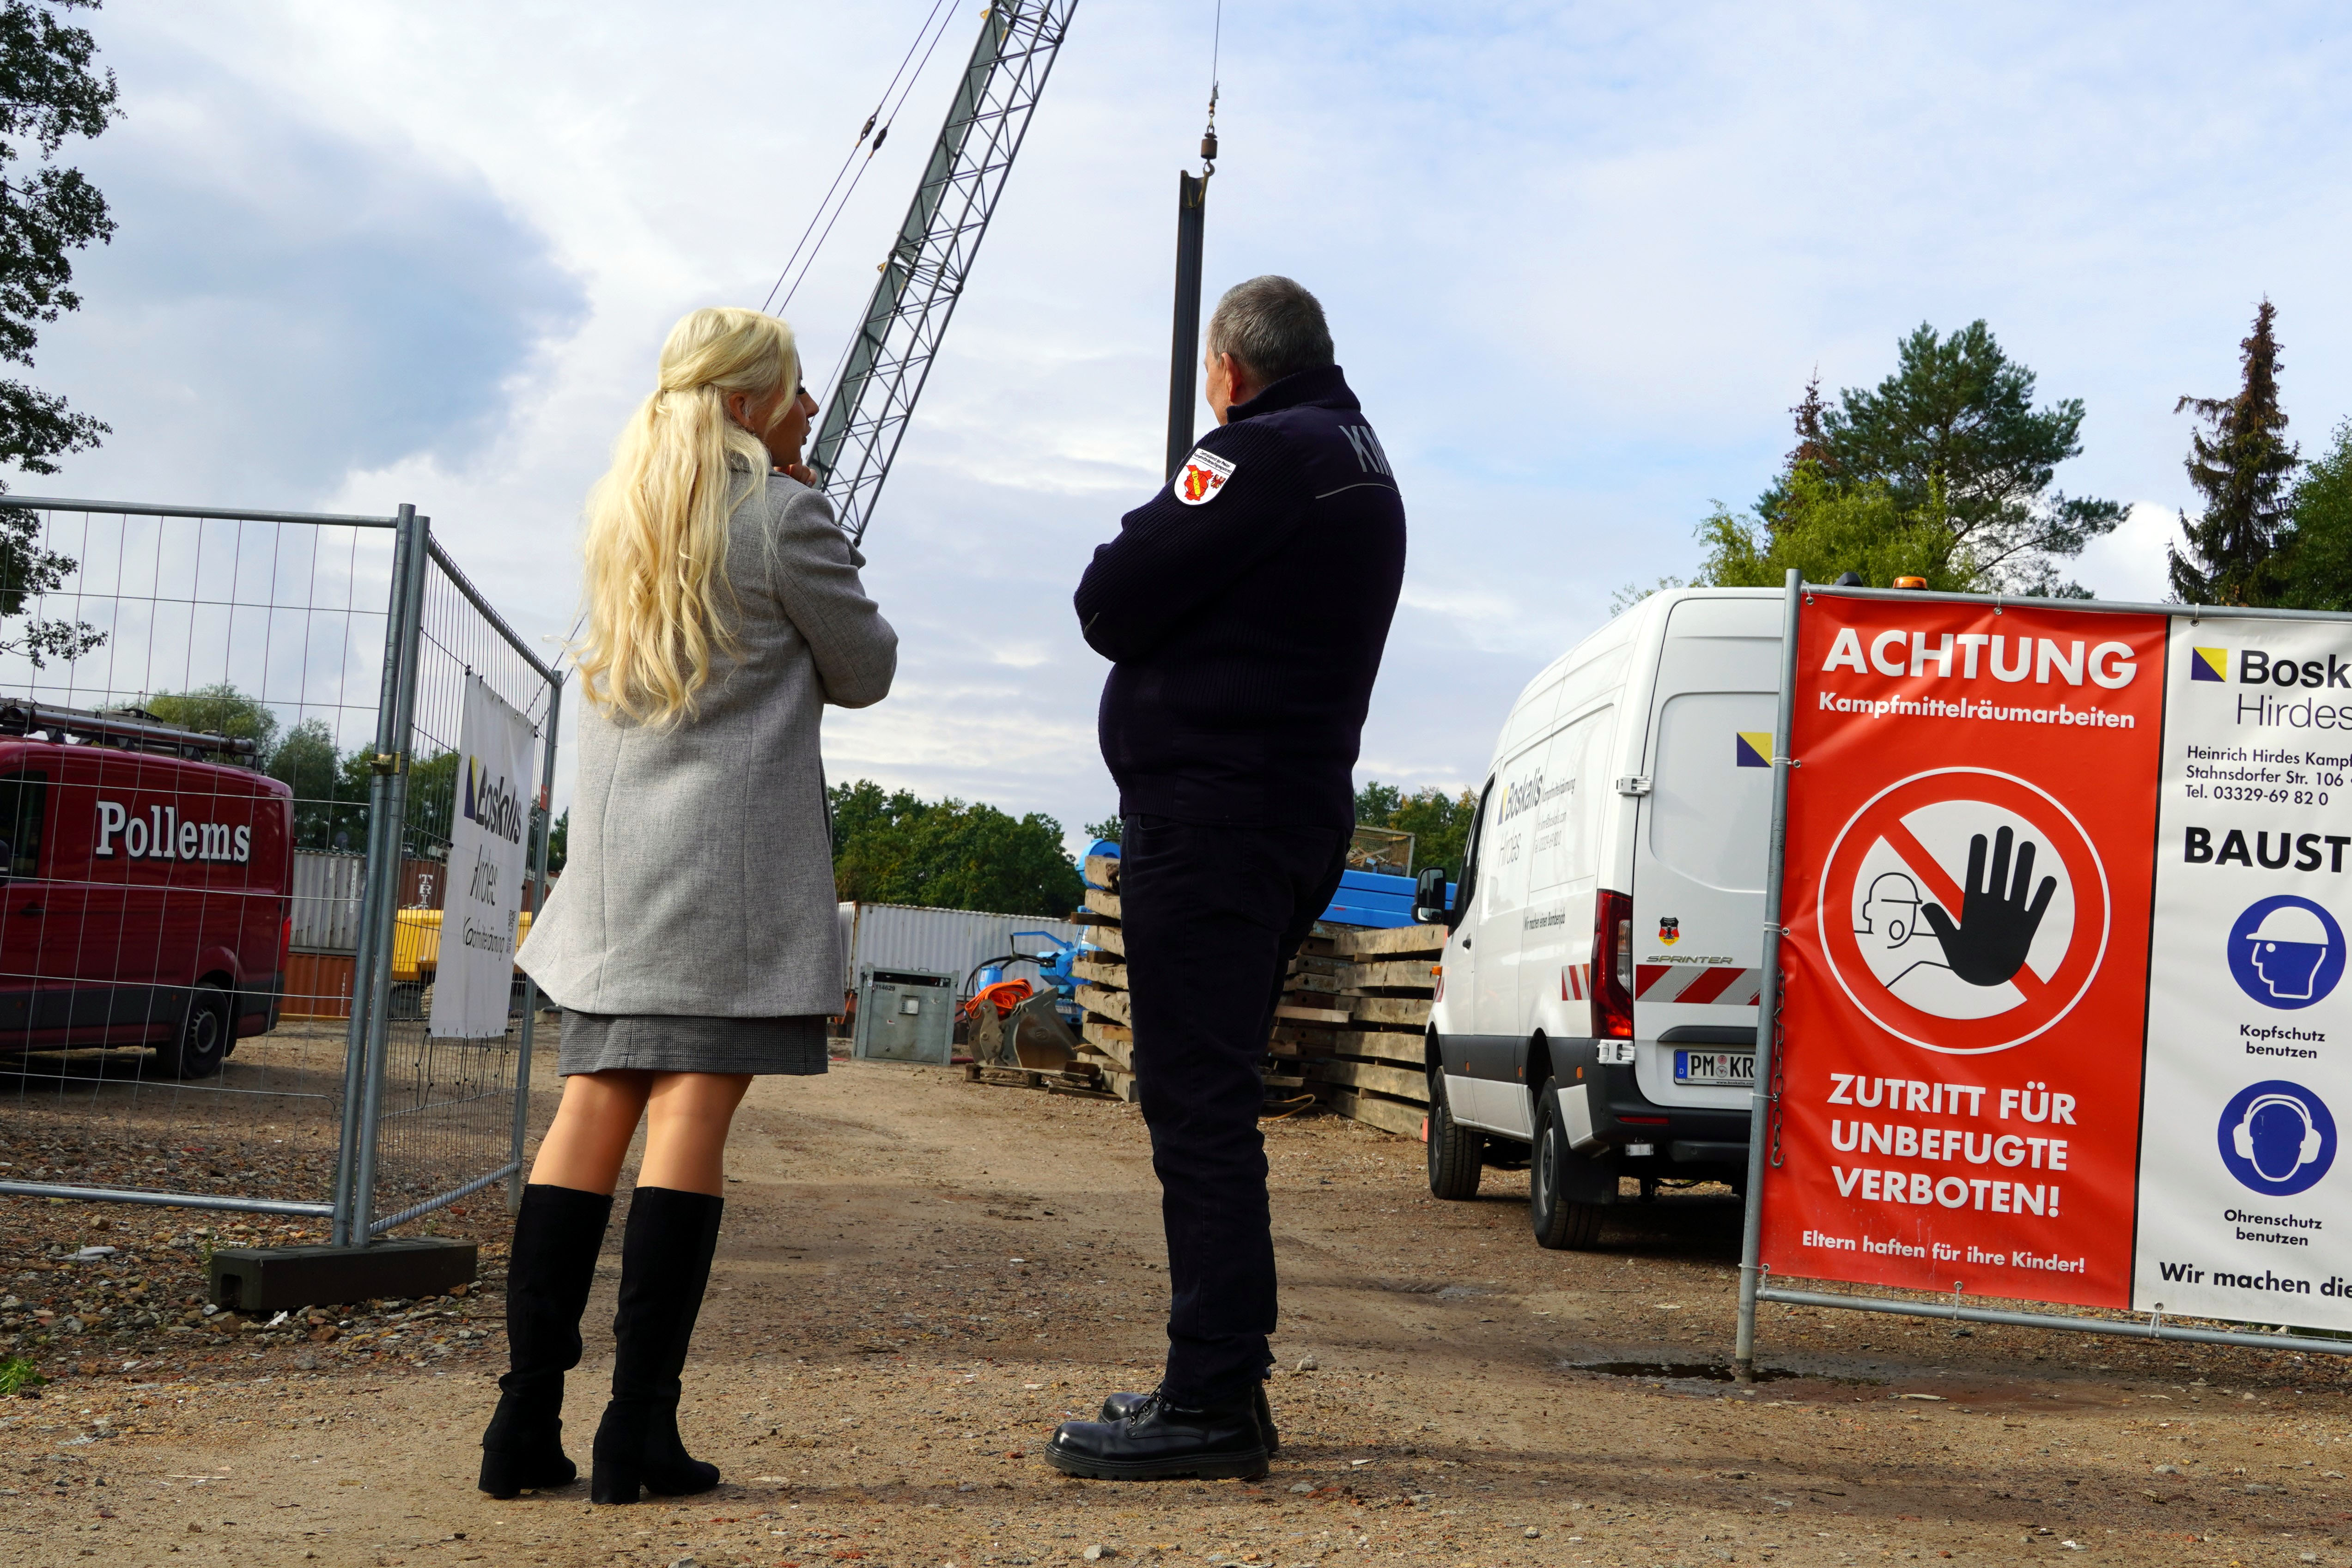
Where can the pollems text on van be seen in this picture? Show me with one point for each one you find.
(161, 835)
(1908, 655)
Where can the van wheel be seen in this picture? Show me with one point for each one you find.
(202, 1041)
(1558, 1222)
(1456, 1153)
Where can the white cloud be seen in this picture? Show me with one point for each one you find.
(1579, 262)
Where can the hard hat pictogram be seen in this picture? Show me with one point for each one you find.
(2286, 952)
(1963, 909)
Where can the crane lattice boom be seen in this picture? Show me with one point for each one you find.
(924, 273)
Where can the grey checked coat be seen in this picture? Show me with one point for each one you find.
(700, 875)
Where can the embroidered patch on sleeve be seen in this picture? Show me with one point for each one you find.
(1201, 477)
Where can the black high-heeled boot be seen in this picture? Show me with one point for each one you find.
(557, 1235)
(665, 1267)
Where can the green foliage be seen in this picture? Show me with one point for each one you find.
(48, 92)
(1958, 418)
(432, 803)
(1824, 528)
(1439, 823)
(1109, 827)
(558, 841)
(2242, 470)
(218, 709)
(17, 1374)
(2314, 563)
(893, 849)
(330, 794)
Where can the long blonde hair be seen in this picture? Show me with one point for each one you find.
(658, 611)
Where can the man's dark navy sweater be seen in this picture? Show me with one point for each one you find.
(1246, 628)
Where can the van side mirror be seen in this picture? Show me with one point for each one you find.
(1429, 897)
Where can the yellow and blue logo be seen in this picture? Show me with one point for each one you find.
(1752, 748)
(2209, 664)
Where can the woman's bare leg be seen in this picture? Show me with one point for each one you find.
(687, 1118)
(590, 1138)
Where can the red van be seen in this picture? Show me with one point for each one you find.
(145, 891)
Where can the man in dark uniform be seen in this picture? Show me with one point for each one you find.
(1244, 609)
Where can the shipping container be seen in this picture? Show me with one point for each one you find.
(946, 941)
(327, 888)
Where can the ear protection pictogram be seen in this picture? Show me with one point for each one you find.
(2241, 1136)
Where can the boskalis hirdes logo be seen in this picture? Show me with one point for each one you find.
(493, 804)
(2287, 952)
(2257, 668)
(2277, 1138)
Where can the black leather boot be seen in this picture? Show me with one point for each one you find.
(665, 1267)
(1119, 1406)
(1158, 1441)
(556, 1238)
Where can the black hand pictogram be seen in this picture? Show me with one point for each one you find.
(1997, 925)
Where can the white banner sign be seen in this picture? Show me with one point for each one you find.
(2250, 1022)
(487, 820)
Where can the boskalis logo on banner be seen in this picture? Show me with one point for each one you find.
(1964, 911)
(481, 906)
(2277, 1138)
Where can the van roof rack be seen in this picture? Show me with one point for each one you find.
(127, 729)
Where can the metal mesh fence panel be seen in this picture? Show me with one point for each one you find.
(446, 1112)
(188, 710)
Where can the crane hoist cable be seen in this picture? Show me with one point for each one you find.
(886, 114)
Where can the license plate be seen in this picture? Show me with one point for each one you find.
(1737, 1067)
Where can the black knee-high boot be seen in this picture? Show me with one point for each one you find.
(665, 1267)
(557, 1235)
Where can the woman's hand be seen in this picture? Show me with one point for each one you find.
(800, 471)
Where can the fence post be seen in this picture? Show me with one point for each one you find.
(1767, 1000)
(538, 885)
(380, 912)
(377, 878)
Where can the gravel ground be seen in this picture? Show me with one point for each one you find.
(919, 1276)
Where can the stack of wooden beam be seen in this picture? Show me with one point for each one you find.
(1349, 1027)
(1110, 1028)
(1371, 1064)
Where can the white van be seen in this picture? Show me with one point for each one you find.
(1596, 1009)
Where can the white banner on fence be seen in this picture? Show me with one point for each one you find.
(2241, 1212)
(479, 905)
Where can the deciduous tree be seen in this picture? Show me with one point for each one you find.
(892, 847)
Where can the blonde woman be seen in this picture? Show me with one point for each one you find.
(691, 943)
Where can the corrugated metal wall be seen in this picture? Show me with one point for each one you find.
(327, 901)
(944, 941)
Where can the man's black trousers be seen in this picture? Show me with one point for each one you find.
(1211, 916)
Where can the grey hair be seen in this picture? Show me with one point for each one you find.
(1272, 326)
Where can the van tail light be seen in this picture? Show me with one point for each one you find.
(1612, 965)
(285, 943)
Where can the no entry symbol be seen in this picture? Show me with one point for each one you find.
(1964, 911)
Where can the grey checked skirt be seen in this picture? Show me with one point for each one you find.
(602, 1042)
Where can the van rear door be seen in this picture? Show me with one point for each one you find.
(1700, 849)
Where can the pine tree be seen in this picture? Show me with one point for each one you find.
(2242, 470)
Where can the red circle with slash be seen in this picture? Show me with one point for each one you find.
(1898, 969)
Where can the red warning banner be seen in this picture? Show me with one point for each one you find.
(1966, 902)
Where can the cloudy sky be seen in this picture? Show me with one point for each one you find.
(1578, 260)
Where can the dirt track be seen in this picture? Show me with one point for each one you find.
(919, 1276)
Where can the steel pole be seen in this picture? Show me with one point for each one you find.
(393, 797)
(380, 876)
(1768, 1001)
(537, 902)
(1185, 349)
